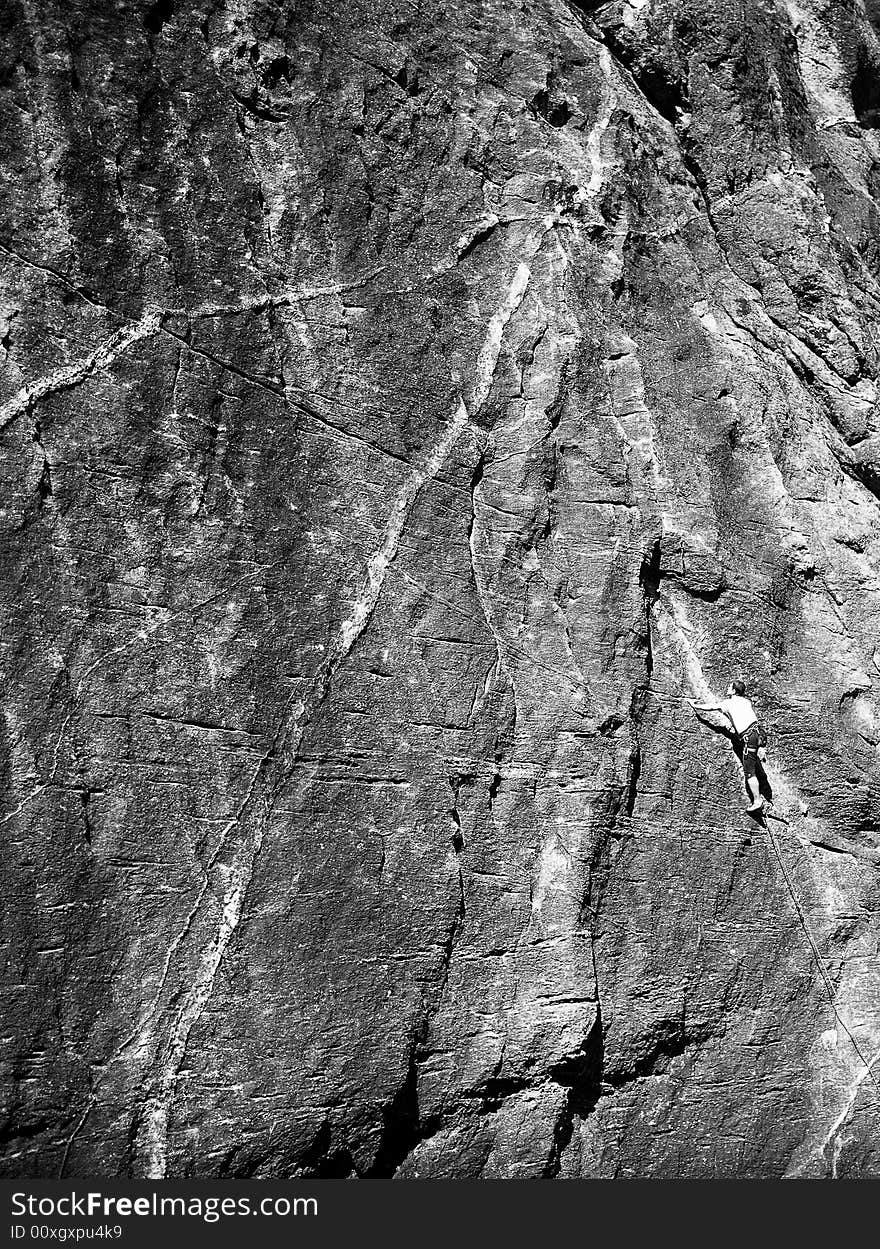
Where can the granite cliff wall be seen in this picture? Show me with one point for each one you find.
(405, 408)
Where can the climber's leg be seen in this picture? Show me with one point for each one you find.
(750, 768)
(755, 793)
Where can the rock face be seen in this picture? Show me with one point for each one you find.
(406, 408)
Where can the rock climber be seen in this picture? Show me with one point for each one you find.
(742, 718)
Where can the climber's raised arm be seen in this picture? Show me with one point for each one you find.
(705, 706)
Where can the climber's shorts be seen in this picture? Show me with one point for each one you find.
(751, 740)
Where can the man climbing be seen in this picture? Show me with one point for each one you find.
(741, 715)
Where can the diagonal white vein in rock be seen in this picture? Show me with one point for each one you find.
(71, 374)
(484, 224)
(378, 563)
(284, 298)
(487, 362)
(485, 601)
(35, 793)
(594, 139)
(834, 1131)
(153, 1134)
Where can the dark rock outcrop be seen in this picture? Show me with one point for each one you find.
(405, 408)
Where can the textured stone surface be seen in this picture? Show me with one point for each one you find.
(406, 407)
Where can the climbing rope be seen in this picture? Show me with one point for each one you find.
(823, 971)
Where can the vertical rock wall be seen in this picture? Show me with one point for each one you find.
(405, 408)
